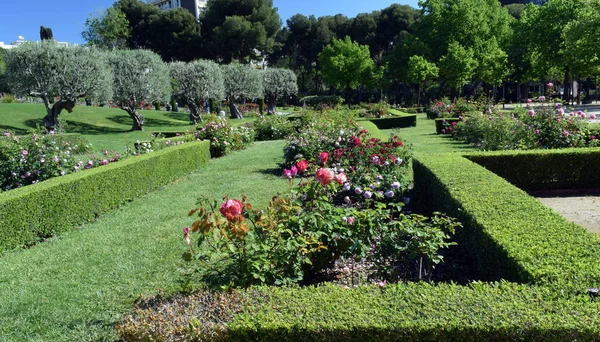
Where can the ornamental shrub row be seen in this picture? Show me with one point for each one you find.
(32, 213)
(510, 234)
(397, 312)
(544, 169)
(396, 121)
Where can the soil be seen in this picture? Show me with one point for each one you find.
(581, 207)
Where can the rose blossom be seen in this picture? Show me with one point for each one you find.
(323, 157)
(358, 191)
(351, 220)
(231, 209)
(368, 194)
(302, 166)
(341, 178)
(550, 84)
(593, 116)
(324, 176)
(530, 112)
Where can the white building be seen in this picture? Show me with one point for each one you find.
(194, 6)
(22, 40)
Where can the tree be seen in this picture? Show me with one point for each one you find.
(48, 71)
(140, 77)
(3, 86)
(278, 83)
(241, 82)
(239, 29)
(346, 64)
(172, 34)
(420, 70)
(195, 82)
(137, 12)
(458, 65)
(109, 31)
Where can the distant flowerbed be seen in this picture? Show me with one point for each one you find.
(543, 126)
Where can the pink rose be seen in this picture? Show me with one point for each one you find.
(231, 209)
(530, 112)
(341, 178)
(550, 84)
(324, 176)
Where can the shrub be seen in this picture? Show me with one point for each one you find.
(318, 102)
(223, 137)
(25, 215)
(273, 127)
(375, 110)
(8, 98)
(396, 121)
(444, 108)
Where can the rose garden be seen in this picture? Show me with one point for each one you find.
(209, 200)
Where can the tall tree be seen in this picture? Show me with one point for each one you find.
(52, 72)
(173, 34)
(277, 83)
(195, 82)
(458, 65)
(3, 86)
(140, 77)
(420, 71)
(239, 29)
(346, 64)
(137, 12)
(241, 82)
(109, 30)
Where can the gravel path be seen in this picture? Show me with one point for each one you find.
(581, 209)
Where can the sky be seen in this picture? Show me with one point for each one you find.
(67, 18)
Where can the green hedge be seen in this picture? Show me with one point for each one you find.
(38, 211)
(545, 169)
(398, 121)
(439, 123)
(414, 312)
(510, 234)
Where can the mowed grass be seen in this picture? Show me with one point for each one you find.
(424, 139)
(105, 128)
(75, 287)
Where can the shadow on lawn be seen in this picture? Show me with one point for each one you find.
(126, 120)
(85, 128)
(275, 171)
(15, 130)
(180, 116)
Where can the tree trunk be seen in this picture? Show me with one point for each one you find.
(138, 119)
(271, 102)
(419, 96)
(567, 89)
(234, 110)
(194, 112)
(52, 113)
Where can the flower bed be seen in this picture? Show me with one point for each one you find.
(223, 137)
(32, 213)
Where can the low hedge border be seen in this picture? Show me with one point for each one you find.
(35, 212)
(398, 312)
(396, 121)
(510, 234)
(161, 142)
(574, 168)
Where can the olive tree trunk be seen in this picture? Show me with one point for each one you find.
(52, 113)
(271, 102)
(194, 111)
(138, 119)
(234, 110)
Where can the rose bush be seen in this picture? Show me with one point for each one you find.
(223, 137)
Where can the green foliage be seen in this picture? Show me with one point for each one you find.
(47, 70)
(273, 127)
(85, 195)
(374, 110)
(240, 29)
(420, 70)
(317, 101)
(278, 83)
(341, 56)
(172, 34)
(511, 235)
(223, 137)
(242, 81)
(108, 31)
(396, 121)
(458, 65)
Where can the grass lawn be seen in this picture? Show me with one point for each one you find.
(104, 128)
(76, 286)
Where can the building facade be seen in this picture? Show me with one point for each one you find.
(193, 6)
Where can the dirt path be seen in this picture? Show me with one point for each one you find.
(581, 209)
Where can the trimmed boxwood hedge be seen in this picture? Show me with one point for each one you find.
(510, 234)
(396, 121)
(41, 210)
(545, 169)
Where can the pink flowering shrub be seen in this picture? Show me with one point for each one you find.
(223, 137)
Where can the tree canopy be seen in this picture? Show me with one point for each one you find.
(109, 31)
(277, 83)
(48, 71)
(241, 82)
(346, 63)
(140, 77)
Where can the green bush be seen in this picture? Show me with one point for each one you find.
(544, 169)
(8, 98)
(316, 101)
(510, 234)
(273, 127)
(32, 213)
(445, 126)
(400, 121)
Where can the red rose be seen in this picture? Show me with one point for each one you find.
(231, 209)
(323, 157)
(324, 176)
(302, 165)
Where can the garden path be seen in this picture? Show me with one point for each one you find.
(581, 209)
(76, 286)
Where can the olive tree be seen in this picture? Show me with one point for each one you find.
(58, 75)
(241, 82)
(277, 83)
(140, 76)
(195, 82)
